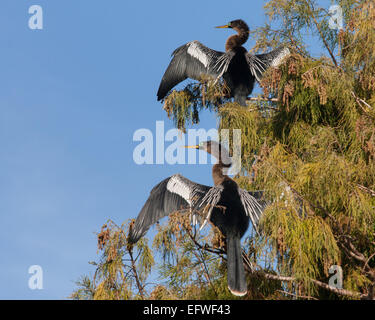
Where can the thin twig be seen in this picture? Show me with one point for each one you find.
(140, 288)
(359, 100)
(310, 6)
(370, 191)
(205, 270)
(262, 99)
(296, 295)
(219, 252)
(368, 260)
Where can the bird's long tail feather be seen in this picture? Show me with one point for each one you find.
(240, 99)
(236, 272)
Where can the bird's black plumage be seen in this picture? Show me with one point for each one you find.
(238, 67)
(238, 76)
(233, 223)
(228, 207)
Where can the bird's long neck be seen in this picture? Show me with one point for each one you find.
(217, 172)
(237, 40)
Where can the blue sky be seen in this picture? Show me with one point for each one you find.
(71, 97)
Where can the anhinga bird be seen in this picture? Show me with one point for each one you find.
(238, 67)
(229, 208)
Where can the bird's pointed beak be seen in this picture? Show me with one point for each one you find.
(221, 27)
(192, 147)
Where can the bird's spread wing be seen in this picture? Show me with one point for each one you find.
(172, 194)
(254, 205)
(192, 60)
(208, 202)
(259, 63)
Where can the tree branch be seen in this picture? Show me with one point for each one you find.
(341, 292)
(310, 5)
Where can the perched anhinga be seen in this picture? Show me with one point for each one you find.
(229, 208)
(238, 67)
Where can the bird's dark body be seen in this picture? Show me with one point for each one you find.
(238, 77)
(229, 215)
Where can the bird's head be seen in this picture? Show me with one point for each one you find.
(215, 149)
(237, 25)
(207, 146)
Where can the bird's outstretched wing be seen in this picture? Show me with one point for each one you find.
(254, 205)
(192, 60)
(172, 194)
(259, 63)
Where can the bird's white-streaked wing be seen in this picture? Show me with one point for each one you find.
(260, 62)
(172, 194)
(254, 205)
(177, 184)
(210, 200)
(195, 51)
(192, 60)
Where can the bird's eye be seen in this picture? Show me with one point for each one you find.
(229, 24)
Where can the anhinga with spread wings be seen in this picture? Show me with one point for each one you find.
(229, 208)
(236, 66)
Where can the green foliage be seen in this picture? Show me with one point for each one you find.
(183, 107)
(312, 152)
